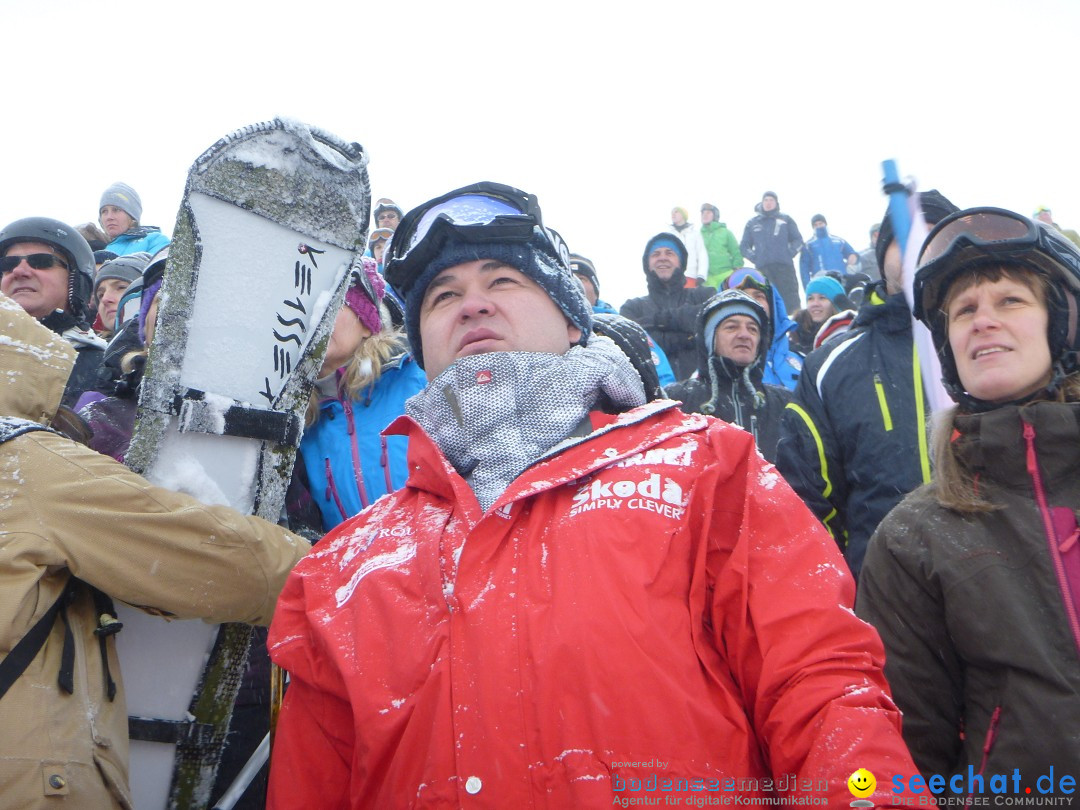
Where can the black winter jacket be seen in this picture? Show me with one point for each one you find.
(979, 612)
(669, 312)
(854, 441)
(88, 358)
(771, 238)
(727, 396)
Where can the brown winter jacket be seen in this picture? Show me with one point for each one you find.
(979, 613)
(66, 510)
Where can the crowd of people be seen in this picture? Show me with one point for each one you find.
(546, 543)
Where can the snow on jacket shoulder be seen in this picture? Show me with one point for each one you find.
(78, 513)
(734, 404)
(623, 601)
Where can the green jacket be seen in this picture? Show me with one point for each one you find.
(723, 250)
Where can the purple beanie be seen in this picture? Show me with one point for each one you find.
(360, 301)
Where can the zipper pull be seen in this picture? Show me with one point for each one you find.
(1070, 541)
(349, 425)
(1029, 440)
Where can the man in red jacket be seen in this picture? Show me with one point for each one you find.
(578, 599)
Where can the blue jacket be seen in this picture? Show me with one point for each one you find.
(782, 363)
(824, 252)
(663, 367)
(349, 465)
(142, 237)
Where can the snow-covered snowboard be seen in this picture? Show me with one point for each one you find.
(273, 221)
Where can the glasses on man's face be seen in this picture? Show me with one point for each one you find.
(38, 261)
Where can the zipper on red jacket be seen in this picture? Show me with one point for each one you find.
(357, 471)
(331, 489)
(1051, 533)
(384, 459)
(988, 743)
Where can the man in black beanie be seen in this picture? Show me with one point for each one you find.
(854, 441)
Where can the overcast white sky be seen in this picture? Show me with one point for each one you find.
(610, 113)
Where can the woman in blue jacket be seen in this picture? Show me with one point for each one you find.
(119, 212)
(363, 385)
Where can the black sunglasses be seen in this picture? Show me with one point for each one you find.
(38, 261)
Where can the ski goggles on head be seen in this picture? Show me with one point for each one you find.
(979, 234)
(480, 213)
(379, 235)
(747, 277)
(38, 261)
(992, 228)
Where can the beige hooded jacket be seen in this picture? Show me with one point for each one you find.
(66, 510)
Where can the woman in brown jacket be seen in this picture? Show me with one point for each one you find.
(973, 581)
(67, 512)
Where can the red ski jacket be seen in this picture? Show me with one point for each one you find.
(648, 613)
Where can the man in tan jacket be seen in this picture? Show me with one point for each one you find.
(67, 511)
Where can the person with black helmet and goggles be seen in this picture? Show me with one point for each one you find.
(973, 581)
(48, 268)
(572, 575)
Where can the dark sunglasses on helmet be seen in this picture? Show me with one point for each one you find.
(480, 213)
(38, 261)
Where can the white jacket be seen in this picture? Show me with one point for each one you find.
(697, 260)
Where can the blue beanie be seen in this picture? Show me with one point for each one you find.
(725, 311)
(533, 258)
(829, 287)
(668, 242)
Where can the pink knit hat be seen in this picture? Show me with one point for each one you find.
(365, 295)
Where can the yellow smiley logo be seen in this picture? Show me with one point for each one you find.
(861, 783)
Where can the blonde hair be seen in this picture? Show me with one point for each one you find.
(127, 362)
(363, 369)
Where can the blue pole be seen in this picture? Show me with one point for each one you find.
(898, 199)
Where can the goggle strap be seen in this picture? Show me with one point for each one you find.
(1070, 305)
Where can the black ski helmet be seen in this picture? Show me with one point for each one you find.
(70, 243)
(634, 341)
(980, 236)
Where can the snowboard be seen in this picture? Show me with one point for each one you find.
(272, 224)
